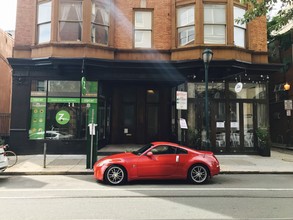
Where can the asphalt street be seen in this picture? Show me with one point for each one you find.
(255, 196)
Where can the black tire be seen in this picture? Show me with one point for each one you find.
(12, 158)
(115, 175)
(198, 174)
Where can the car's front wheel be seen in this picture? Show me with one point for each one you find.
(198, 174)
(115, 175)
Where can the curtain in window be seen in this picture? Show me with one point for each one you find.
(185, 25)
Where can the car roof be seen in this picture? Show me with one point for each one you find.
(165, 143)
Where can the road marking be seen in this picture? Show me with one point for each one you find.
(149, 189)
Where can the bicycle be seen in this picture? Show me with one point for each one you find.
(11, 156)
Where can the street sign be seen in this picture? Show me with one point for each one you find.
(181, 100)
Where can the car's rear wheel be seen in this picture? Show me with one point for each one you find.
(198, 174)
(115, 175)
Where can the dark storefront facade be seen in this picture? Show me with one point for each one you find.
(134, 102)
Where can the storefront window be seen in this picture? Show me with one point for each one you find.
(64, 114)
(249, 91)
(215, 90)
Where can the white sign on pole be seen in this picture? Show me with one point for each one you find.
(288, 104)
(183, 124)
(181, 100)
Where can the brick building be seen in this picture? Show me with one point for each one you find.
(120, 64)
(6, 45)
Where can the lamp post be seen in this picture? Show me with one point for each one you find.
(207, 56)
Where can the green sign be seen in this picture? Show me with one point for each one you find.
(63, 100)
(62, 117)
(37, 129)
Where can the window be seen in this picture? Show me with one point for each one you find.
(143, 29)
(70, 20)
(44, 22)
(239, 29)
(163, 149)
(62, 112)
(100, 22)
(185, 25)
(214, 24)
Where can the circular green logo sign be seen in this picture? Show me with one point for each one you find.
(62, 117)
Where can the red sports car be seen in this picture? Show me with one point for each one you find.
(158, 160)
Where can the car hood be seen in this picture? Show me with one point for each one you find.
(117, 157)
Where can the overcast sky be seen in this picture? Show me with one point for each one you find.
(7, 14)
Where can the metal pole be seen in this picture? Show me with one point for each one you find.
(45, 154)
(92, 140)
(206, 107)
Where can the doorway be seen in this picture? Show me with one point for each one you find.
(140, 114)
(232, 126)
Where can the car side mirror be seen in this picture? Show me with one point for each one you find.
(149, 154)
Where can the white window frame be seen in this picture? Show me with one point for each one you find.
(185, 25)
(143, 29)
(214, 24)
(240, 38)
(44, 22)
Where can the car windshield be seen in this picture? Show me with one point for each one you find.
(143, 149)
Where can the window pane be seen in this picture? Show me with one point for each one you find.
(143, 39)
(61, 121)
(185, 35)
(100, 34)
(44, 33)
(239, 37)
(70, 16)
(215, 34)
(70, 31)
(185, 16)
(249, 91)
(100, 13)
(44, 12)
(239, 13)
(64, 88)
(214, 14)
(143, 20)
(70, 10)
(38, 88)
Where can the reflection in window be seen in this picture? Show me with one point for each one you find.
(214, 24)
(143, 29)
(38, 88)
(70, 20)
(185, 25)
(100, 21)
(44, 21)
(249, 91)
(239, 29)
(64, 88)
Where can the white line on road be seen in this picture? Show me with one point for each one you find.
(148, 189)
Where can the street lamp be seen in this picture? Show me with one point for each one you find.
(207, 56)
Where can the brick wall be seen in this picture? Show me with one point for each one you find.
(25, 22)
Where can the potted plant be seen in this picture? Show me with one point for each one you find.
(263, 136)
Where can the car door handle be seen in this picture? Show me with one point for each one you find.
(177, 158)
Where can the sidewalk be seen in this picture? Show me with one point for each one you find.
(280, 162)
